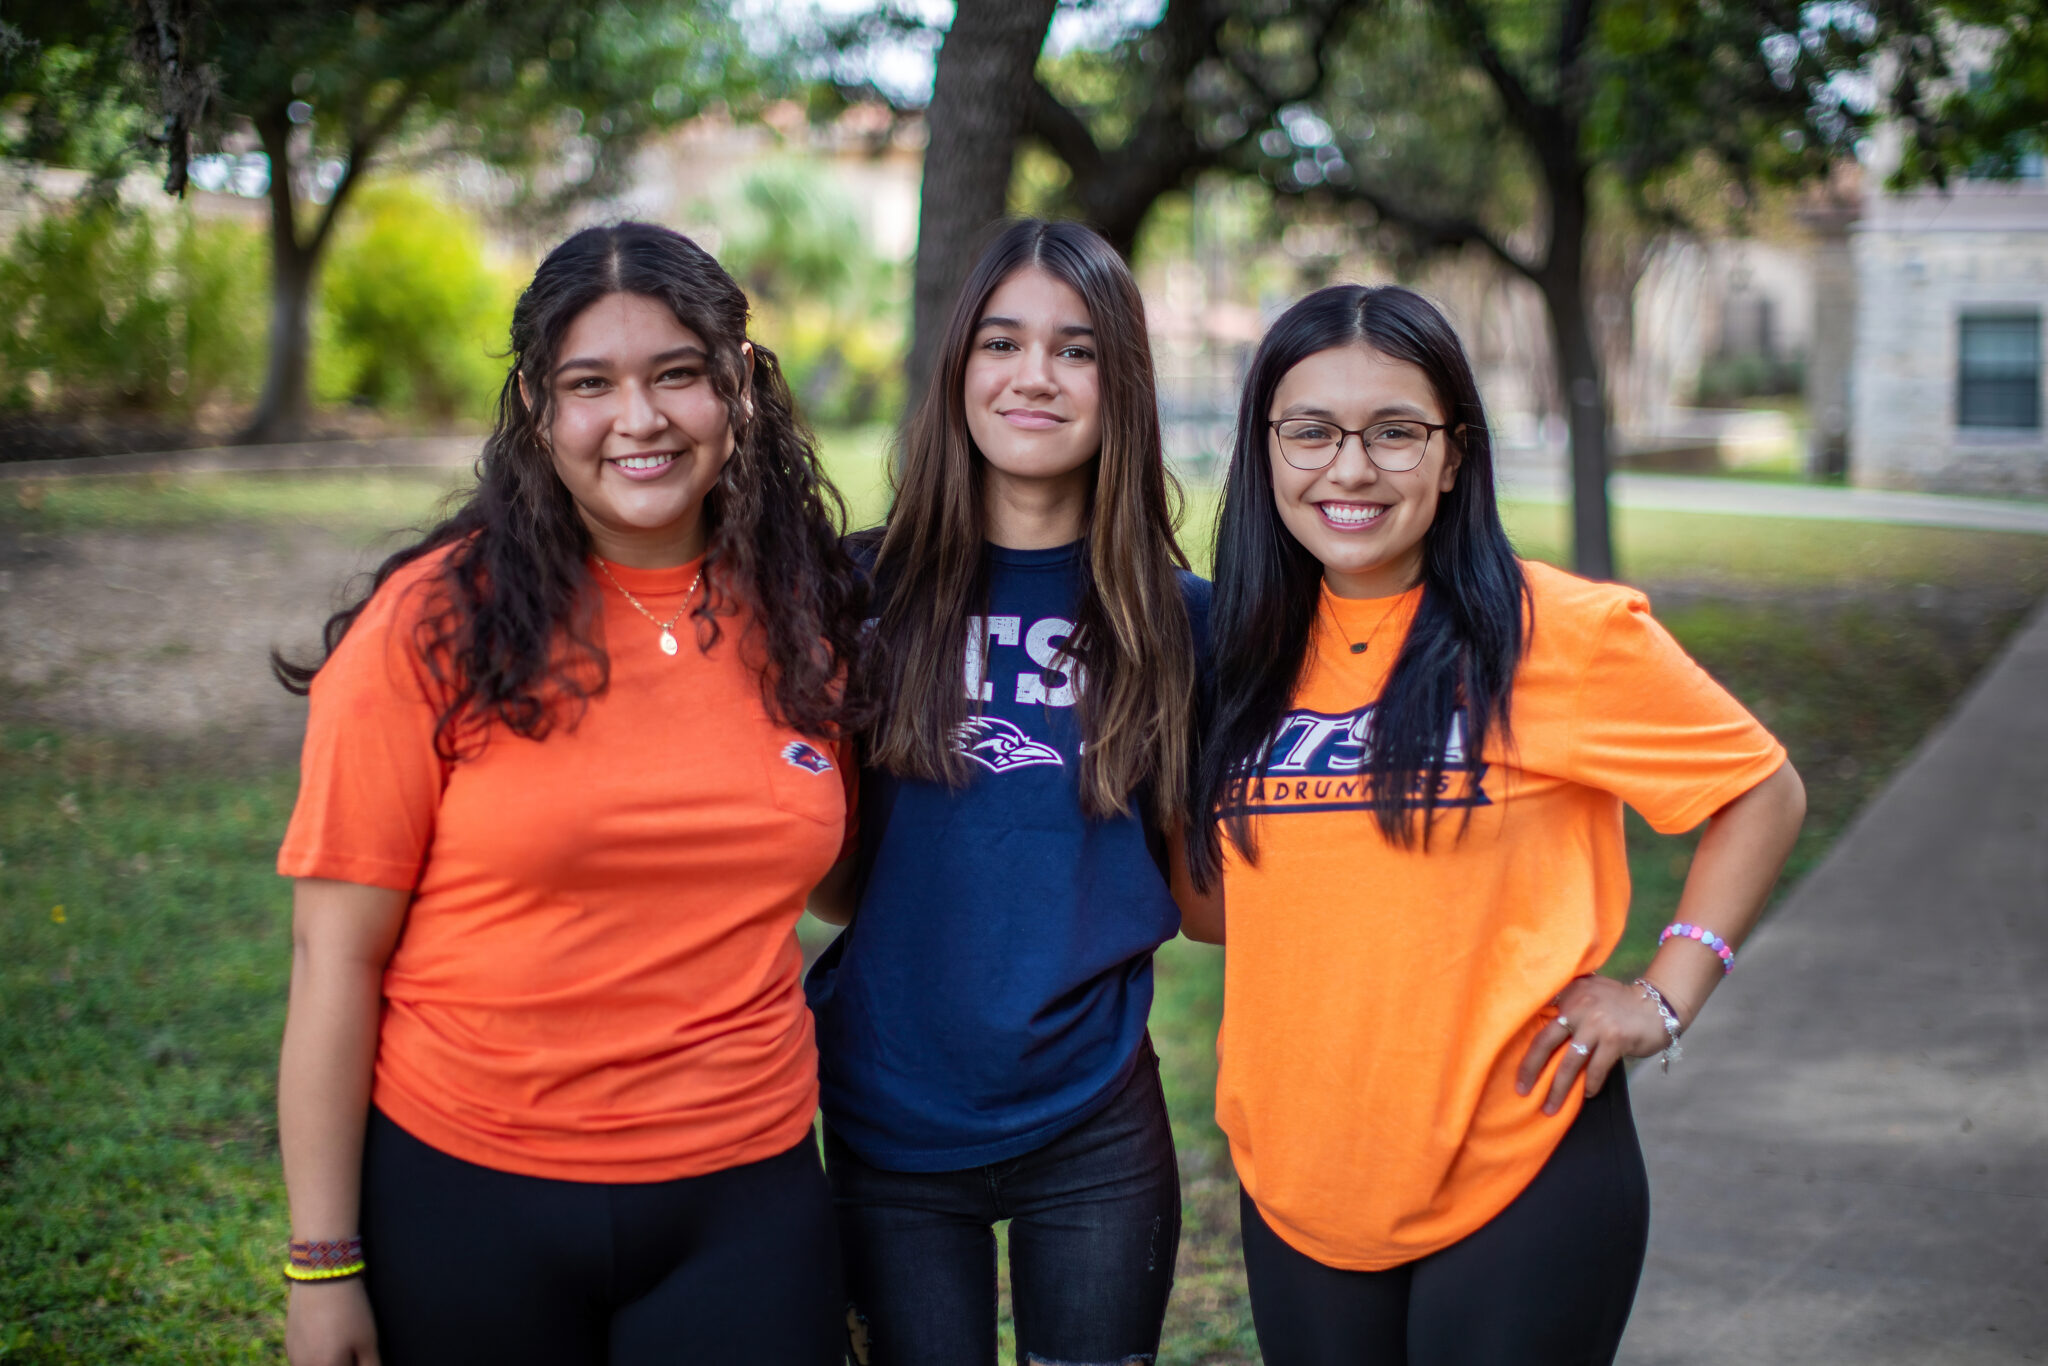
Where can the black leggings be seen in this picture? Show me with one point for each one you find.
(468, 1264)
(1547, 1282)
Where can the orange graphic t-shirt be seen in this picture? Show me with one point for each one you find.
(598, 975)
(1377, 1000)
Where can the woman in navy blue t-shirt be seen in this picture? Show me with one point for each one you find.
(981, 1024)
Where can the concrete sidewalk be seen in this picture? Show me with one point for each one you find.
(1760, 498)
(1850, 1164)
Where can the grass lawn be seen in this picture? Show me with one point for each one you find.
(143, 945)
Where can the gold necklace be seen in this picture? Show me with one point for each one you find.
(1358, 646)
(668, 634)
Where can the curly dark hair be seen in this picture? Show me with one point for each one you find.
(509, 636)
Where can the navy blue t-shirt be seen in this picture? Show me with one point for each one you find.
(992, 990)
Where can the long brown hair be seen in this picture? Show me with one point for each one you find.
(508, 636)
(1131, 634)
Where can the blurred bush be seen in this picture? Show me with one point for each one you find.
(824, 301)
(1726, 380)
(413, 316)
(112, 308)
(159, 311)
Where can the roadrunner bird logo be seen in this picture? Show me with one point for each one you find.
(797, 754)
(999, 746)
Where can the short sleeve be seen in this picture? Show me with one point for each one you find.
(1652, 727)
(370, 781)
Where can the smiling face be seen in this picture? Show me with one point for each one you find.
(638, 433)
(1034, 405)
(1364, 525)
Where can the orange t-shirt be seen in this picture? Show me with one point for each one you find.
(1378, 1000)
(598, 975)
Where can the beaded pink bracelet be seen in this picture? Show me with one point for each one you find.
(1678, 929)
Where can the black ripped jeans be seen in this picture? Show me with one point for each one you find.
(1094, 1226)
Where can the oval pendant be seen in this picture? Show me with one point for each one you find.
(668, 642)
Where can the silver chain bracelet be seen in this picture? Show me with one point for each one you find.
(1672, 1052)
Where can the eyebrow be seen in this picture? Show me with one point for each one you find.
(685, 352)
(1381, 414)
(1069, 330)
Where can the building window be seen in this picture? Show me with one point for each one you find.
(1999, 380)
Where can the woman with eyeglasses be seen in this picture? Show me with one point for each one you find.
(1417, 763)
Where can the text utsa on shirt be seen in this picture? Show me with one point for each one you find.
(1317, 761)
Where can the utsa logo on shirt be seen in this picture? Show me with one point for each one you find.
(1316, 761)
(1050, 678)
(999, 745)
(797, 754)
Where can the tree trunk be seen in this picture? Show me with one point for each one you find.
(1563, 282)
(285, 411)
(1585, 401)
(977, 114)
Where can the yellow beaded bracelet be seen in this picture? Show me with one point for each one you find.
(325, 1273)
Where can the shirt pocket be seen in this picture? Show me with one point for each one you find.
(804, 778)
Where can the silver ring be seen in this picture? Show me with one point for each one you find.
(1581, 1049)
(1565, 1024)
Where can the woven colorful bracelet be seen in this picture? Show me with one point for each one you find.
(323, 1259)
(1678, 929)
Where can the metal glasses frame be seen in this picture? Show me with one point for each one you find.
(1346, 433)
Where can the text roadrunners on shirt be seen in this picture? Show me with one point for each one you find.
(1317, 761)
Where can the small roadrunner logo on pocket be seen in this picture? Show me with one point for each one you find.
(797, 754)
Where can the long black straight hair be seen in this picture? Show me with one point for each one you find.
(1131, 637)
(1469, 631)
(509, 636)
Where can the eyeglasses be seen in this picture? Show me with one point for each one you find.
(1309, 443)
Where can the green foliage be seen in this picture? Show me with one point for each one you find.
(222, 270)
(121, 309)
(414, 314)
(165, 312)
(830, 308)
(95, 328)
(71, 94)
(1991, 118)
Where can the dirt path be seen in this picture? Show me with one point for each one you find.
(165, 634)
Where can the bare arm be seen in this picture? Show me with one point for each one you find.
(1201, 912)
(342, 936)
(1738, 861)
(832, 899)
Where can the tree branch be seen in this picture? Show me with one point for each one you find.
(1573, 27)
(1432, 233)
(361, 148)
(1061, 129)
(1471, 32)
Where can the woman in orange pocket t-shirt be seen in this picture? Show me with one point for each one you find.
(570, 771)
(1418, 754)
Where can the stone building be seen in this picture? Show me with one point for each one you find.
(1945, 374)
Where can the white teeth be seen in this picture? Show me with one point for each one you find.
(643, 462)
(1350, 516)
